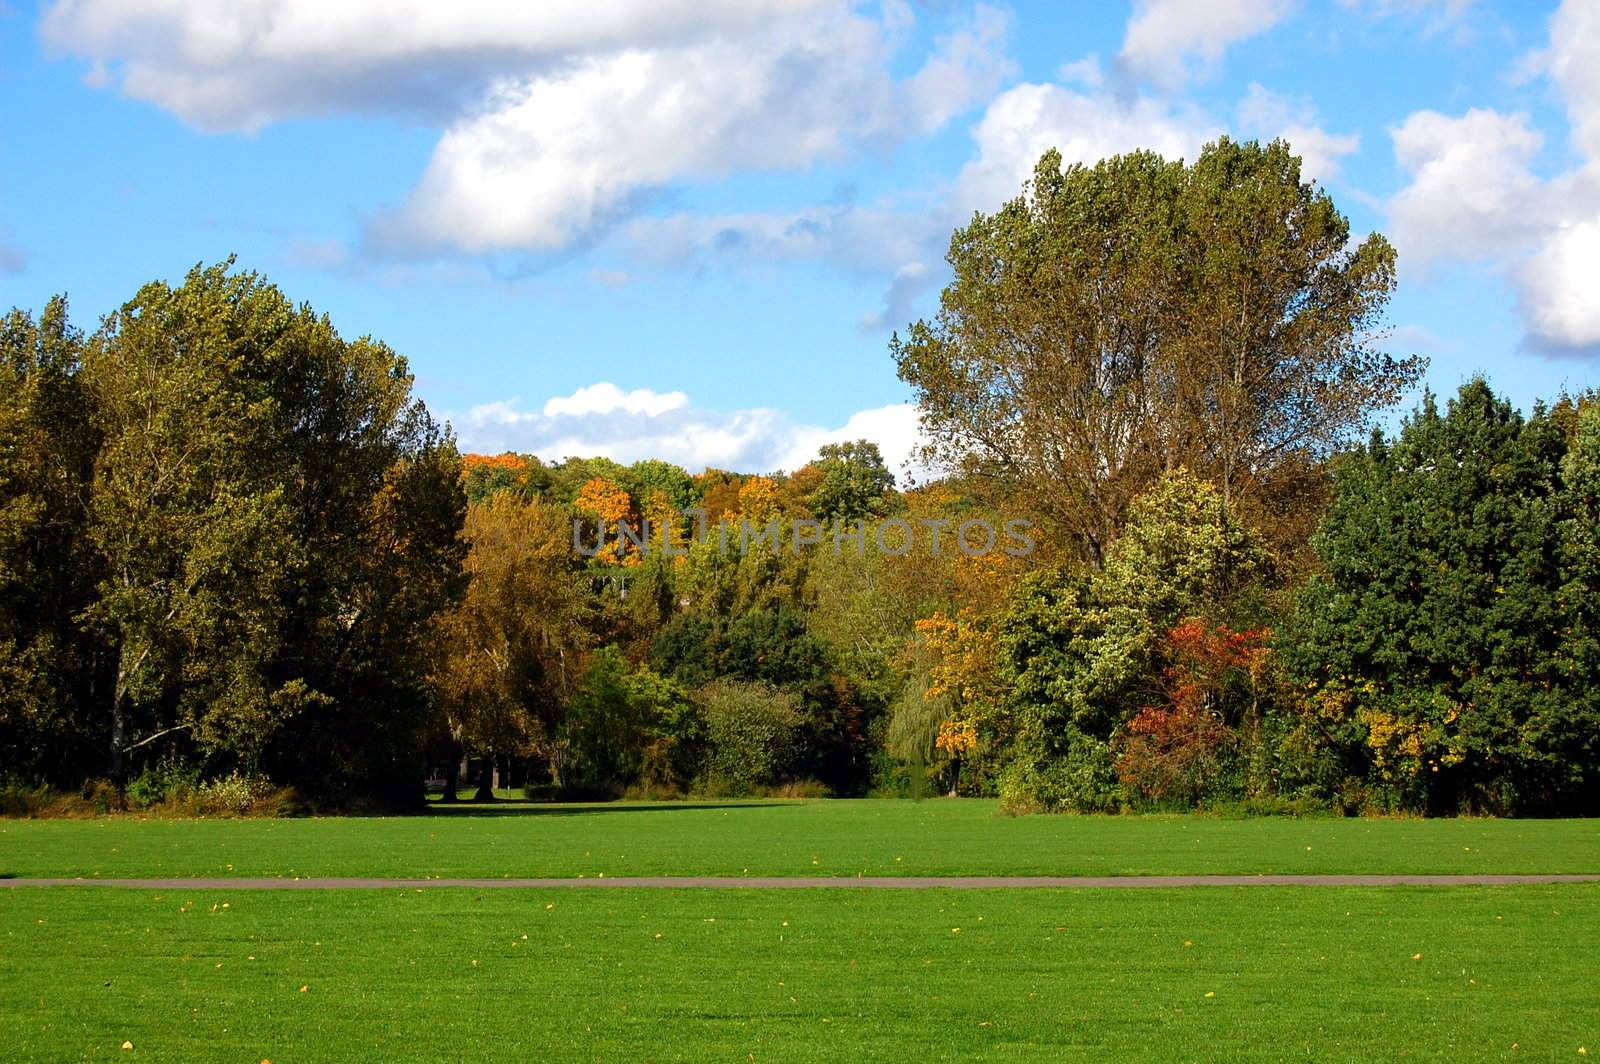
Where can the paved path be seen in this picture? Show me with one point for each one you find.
(810, 882)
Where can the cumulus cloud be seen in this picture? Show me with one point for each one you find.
(1572, 61)
(1475, 197)
(558, 117)
(551, 158)
(246, 63)
(606, 398)
(1170, 42)
(1472, 192)
(1022, 123)
(1267, 115)
(1557, 290)
(602, 419)
(1475, 193)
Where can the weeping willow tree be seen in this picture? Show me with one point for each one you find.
(914, 732)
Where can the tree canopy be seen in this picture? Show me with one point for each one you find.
(1125, 319)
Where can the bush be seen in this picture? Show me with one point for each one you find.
(103, 796)
(23, 799)
(796, 789)
(1083, 779)
(167, 781)
(627, 727)
(1274, 805)
(234, 793)
(750, 734)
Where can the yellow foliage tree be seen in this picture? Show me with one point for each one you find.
(605, 502)
(669, 529)
(758, 500)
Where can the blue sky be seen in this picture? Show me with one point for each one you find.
(685, 228)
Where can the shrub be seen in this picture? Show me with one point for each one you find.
(23, 799)
(628, 726)
(796, 789)
(233, 793)
(168, 780)
(1082, 778)
(749, 731)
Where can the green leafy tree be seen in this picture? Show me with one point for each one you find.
(628, 726)
(1126, 319)
(186, 510)
(1081, 651)
(48, 668)
(277, 522)
(750, 734)
(1433, 649)
(856, 484)
(648, 476)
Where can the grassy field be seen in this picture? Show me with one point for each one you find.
(943, 837)
(1237, 974)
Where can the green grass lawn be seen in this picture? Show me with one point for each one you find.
(1235, 974)
(941, 837)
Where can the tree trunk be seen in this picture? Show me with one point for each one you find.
(485, 781)
(116, 738)
(119, 695)
(452, 776)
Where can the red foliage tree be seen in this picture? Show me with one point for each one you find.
(1174, 750)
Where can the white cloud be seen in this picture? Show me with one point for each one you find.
(1022, 123)
(552, 158)
(1473, 193)
(894, 428)
(607, 398)
(245, 63)
(1573, 62)
(1169, 42)
(560, 116)
(1267, 115)
(604, 420)
(1559, 296)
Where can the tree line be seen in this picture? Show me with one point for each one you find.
(234, 545)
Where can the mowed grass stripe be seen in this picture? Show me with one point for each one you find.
(401, 975)
(804, 882)
(818, 838)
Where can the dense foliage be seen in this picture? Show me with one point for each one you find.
(234, 548)
(241, 526)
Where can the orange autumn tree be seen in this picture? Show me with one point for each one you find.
(484, 475)
(607, 504)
